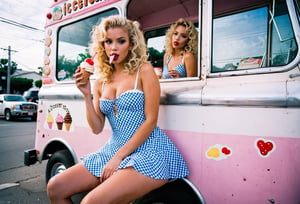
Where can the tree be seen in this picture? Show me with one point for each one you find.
(19, 85)
(3, 72)
(4, 65)
(38, 83)
(156, 57)
(40, 71)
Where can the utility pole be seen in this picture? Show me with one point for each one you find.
(8, 72)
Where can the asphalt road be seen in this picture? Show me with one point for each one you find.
(18, 183)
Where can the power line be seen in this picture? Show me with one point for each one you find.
(21, 25)
(8, 49)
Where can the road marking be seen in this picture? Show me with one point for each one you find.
(8, 185)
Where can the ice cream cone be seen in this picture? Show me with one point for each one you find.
(59, 121)
(59, 126)
(50, 125)
(68, 126)
(68, 121)
(50, 120)
(86, 75)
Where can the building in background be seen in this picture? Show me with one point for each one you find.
(19, 73)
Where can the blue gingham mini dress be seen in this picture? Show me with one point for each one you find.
(157, 157)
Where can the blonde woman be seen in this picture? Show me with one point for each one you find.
(181, 50)
(138, 157)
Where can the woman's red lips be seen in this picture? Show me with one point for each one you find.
(176, 43)
(113, 57)
(116, 56)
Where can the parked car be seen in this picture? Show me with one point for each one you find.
(16, 106)
(32, 95)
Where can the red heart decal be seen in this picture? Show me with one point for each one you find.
(226, 151)
(264, 147)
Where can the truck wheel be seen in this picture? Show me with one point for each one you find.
(58, 162)
(175, 192)
(7, 115)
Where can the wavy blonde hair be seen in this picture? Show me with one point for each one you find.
(192, 44)
(136, 56)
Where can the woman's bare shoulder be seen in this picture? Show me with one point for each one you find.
(188, 55)
(99, 81)
(146, 68)
(147, 71)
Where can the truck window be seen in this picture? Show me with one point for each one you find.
(156, 45)
(73, 40)
(253, 39)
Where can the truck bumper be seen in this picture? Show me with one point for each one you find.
(30, 157)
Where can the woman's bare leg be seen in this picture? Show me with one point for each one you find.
(69, 182)
(122, 187)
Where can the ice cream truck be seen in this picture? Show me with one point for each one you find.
(237, 123)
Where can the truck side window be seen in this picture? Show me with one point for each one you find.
(253, 39)
(156, 46)
(72, 46)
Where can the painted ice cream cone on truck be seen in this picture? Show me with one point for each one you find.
(50, 120)
(59, 121)
(68, 121)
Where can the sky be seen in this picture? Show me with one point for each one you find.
(26, 35)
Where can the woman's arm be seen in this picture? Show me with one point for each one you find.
(94, 116)
(165, 59)
(190, 63)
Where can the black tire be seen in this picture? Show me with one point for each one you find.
(8, 116)
(58, 162)
(175, 192)
(33, 118)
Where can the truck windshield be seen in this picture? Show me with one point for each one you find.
(73, 40)
(14, 98)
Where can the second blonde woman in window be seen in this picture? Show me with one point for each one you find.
(181, 50)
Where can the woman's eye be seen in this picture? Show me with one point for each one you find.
(107, 41)
(121, 41)
(184, 36)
